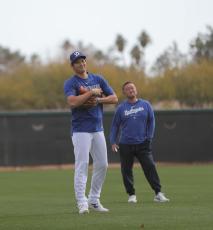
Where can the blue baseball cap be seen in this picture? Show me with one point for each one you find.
(76, 55)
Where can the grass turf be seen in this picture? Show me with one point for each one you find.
(44, 200)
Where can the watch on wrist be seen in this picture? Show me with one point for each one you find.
(98, 100)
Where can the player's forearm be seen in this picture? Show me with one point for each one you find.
(113, 135)
(114, 130)
(76, 101)
(111, 99)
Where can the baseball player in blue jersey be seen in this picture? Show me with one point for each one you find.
(134, 120)
(84, 95)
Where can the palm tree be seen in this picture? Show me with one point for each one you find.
(66, 45)
(35, 59)
(144, 39)
(136, 54)
(120, 43)
(66, 48)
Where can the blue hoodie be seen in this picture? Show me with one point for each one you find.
(132, 123)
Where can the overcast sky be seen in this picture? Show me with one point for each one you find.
(40, 26)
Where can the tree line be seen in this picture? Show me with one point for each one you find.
(178, 80)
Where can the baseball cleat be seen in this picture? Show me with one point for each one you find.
(132, 199)
(83, 208)
(160, 197)
(98, 207)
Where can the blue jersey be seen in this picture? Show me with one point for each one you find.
(87, 120)
(135, 123)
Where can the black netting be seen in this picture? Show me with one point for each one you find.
(43, 138)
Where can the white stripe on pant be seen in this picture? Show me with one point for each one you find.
(95, 144)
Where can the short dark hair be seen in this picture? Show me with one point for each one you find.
(126, 83)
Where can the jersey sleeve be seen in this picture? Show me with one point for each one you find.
(69, 88)
(115, 126)
(150, 122)
(107, 90)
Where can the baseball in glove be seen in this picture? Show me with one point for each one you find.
(91, 102)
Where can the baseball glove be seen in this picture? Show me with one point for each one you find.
(91, 102)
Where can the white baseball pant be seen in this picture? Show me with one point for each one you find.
(85, 144)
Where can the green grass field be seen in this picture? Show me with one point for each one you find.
(45, 200)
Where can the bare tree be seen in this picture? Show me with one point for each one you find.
(202, 45)
(9, 59)
(171, 58)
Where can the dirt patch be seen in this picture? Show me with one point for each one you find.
(71, 166)
(46, 167)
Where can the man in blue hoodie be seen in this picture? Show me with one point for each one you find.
(134, 121)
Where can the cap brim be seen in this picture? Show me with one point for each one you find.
(81, 56)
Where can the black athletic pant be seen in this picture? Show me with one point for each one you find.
(143, 152)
